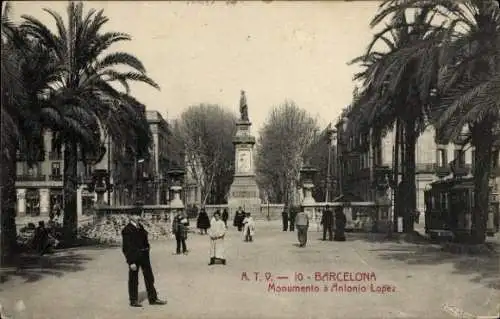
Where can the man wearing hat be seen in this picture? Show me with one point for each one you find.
(135, 247)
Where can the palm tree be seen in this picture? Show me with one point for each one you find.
(20, 122)
(397, 86)
(469, 86)
(83, 97)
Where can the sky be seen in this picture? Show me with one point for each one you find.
(201, 52)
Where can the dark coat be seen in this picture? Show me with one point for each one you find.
(340, 219)
(135, 243)
(225, 215)
(327, 218)
(238, 218)
(203, 222)
(180, 228)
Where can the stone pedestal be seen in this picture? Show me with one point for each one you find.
(176, 202)
(244, 191)
(309, 204)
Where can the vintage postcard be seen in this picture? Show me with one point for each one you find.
(250, 159)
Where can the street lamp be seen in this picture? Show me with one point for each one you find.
(332, 134)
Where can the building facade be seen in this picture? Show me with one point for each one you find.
(40, 186)
(360, 155)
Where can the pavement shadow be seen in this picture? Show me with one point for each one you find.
(484, 268)
(32, 267)
(413, 238)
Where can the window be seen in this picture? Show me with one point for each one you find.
(495, 158)
(56, 169)
(88, 170)
(441, 158)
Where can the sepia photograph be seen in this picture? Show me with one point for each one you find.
(250, 159)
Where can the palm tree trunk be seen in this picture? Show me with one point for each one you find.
(396, 175)
(8, 204)
(482, 141)
(409, 176)
(70, 222)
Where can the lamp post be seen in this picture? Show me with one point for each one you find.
(384, 185)
(176, 175)
(307, 173)
(331, 137)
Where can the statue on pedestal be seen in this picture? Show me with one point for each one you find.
(243, 107)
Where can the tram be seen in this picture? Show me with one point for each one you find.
(449, 205)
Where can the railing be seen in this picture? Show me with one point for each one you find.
(31, 178)
(56, 178)
(55, 156)
(443, 171)
(426, 168)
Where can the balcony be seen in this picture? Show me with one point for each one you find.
(57, 178)
(55, 156)
(461, 170)
(442, 171)
(31, 178)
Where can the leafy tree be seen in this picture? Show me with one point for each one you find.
(282, 145)
(469, 86)
(206, 131)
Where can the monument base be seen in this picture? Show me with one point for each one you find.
(244, 193)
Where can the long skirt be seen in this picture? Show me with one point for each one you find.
(217, 248)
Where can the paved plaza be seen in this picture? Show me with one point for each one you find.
(409, 281)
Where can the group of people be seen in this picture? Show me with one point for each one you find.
(135, 245)
(301, 221)
(203, 221)
(243, 221)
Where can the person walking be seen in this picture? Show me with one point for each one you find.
(180, 229)
(293, 214)
(41, 238)
(248, 228)
(302, 223)
(203, 222)
(225, 216)
(327, 223)
(238, 219)
(135, 247)
(217, 232)
(340, 222)
(284, 217)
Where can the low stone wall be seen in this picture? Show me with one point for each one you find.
(362, 216)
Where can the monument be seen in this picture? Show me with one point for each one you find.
(244, 191)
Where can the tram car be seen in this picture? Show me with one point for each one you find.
(448, 209)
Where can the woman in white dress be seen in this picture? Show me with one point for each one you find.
(217, 232)
(249, 228)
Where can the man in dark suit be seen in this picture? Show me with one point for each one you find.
(327, 222)
(284, 216)
(136, 250)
